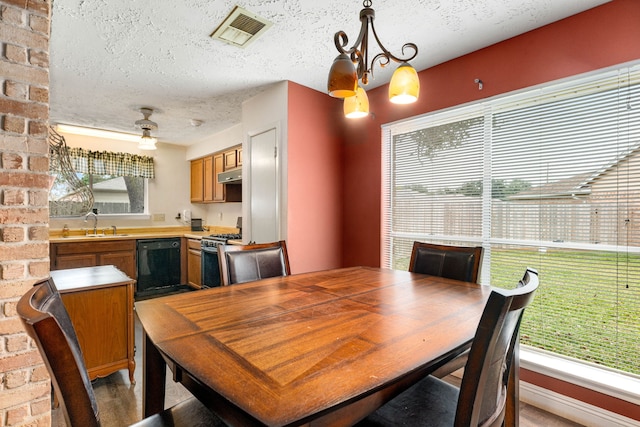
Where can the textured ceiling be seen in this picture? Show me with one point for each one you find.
(111, 57)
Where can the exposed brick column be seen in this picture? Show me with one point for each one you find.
(25, 390)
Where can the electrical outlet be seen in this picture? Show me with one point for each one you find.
(158, 217)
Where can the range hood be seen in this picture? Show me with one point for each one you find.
(233, 176)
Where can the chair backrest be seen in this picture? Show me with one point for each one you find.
(483, 392)
(239, 264)
(46, 320)
(452, 262)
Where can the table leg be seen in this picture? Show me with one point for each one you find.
(154, 372)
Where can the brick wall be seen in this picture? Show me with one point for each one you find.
(24, 250)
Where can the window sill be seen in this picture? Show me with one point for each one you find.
(611, 382)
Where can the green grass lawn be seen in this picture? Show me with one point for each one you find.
(587, 305)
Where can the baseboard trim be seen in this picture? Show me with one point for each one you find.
(572, 409)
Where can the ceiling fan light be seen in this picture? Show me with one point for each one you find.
(147, 142)
(404, 87)
(343, 80)
(356, 106)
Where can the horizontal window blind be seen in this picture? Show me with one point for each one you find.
(548, 178)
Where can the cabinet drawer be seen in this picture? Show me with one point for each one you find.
(93, 247)
(193, 244)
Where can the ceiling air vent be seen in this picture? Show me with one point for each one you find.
(241, 28)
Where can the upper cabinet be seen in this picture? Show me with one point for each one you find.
(230, 159)
(204, 177)
(197, 181)
(219, 193)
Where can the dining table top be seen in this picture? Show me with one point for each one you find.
(294, 349)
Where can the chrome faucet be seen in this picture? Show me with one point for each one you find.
(115, 230)
(95, 221)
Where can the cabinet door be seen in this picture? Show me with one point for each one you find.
(197, 173)
(124, 261)
(100, 318)
(194, 266)
(209, 179)
(230, 160)
(218, 189)
(239, 157)
(63, 262)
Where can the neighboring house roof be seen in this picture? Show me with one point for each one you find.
(577, 185)
(112, 185)
(612, 165)
(569, 187)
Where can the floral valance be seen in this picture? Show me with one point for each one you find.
(109, 163)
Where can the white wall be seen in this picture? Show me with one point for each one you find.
(217, 142)
(264, 111)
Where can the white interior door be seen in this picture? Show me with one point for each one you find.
(264, 212)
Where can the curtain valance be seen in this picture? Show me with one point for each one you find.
(109, 163)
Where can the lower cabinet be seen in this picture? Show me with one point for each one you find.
(121, 253)
(100, 304)
(194, 264)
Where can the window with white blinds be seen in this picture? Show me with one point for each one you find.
(548, 178)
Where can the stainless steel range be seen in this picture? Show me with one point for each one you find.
(210, 267)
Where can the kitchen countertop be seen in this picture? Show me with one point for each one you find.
(55, 236)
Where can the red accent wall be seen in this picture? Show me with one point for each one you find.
(314, 175)
(600, 37)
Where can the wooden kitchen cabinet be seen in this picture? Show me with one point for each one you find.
(218, 189)
(233, 158)
(230, 159)
(204, 178)
(204, 185)
(197, 180)
(194, 265)
(208, 181)
(120, 253)
(100, 304)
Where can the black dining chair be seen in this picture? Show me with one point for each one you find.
(452, 262)
(246, 263)
(481, 399)
(47, 321)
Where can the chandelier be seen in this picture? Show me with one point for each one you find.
(351, 69)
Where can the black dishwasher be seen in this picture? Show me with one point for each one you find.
(158, 265)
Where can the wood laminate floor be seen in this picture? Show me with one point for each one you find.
(120, 402)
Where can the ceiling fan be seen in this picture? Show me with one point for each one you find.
(147, 142)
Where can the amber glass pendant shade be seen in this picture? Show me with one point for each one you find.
(405, 85)
(342, 80)
(357, 106)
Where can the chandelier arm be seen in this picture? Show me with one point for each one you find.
(388, 55)
(341, 40)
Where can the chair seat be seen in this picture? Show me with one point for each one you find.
(190, 412)
(430, 402)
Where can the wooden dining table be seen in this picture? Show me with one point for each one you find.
(321, 348)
